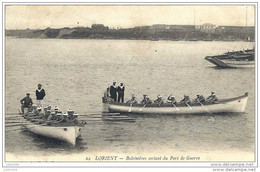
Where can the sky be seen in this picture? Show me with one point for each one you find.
(41, 17)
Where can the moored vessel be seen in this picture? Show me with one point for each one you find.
(235, 59)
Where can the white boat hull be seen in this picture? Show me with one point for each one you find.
(235, 105)
(68, 134)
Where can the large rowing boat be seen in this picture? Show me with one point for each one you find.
(231, 105)
(60, 131)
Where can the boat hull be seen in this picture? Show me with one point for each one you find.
(64, 132)
(234, 105)
(68, 134)
(225, 63)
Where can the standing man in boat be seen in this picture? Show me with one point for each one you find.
(26, 102)
(121, 92)
(40, 94)
(113, 90)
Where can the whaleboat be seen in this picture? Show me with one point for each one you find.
(231, 105)
(66, 132)
(236, 59)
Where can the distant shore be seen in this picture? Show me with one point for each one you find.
(152, 33)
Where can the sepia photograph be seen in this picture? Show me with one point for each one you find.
(170, 83)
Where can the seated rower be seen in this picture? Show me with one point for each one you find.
(56, 109)
(132, 101)
(70, 117)
(212, 98)
(74, 118)
(171, 99)
(146, 100)
(159, 100)
(52, 116)
(60, 117)
(186, 100)
(200, 99)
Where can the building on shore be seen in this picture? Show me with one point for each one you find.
(207, 27)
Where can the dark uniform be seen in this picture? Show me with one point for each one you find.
(113, 90)
(159, 100)
(121, 92)
(186, 100)
(40, 94)
(171, 99)
(26, 102)
(146, 100)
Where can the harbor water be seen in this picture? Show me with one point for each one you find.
(76, 72)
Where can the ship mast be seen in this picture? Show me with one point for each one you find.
(194, 18)
(246, 16)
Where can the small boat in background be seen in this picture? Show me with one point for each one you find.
(235, 59)
(232, 105)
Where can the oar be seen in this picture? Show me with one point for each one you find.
(13, 116)
(142, 107)
(205, 108)
(175, 107)
(12, 122)
(27, 128)
(188, 106)
(129, 110)
(16, 125)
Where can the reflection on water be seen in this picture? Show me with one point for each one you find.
(75, 73)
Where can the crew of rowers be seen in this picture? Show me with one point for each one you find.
(49, 115)
(171, 99)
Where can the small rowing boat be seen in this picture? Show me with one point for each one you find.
(67, 132)
(231, 105)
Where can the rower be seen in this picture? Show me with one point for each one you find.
(146, 100)
(60, 116)
(71, 117)
(186, 100)
(200, 99)
(159, 100)
(133, 100)
(51, 115)
(49, 107)
(171, 99)
(56, 109)
(212, 98)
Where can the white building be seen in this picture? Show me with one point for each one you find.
(207, 27)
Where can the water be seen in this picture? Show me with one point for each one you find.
(75, 73)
